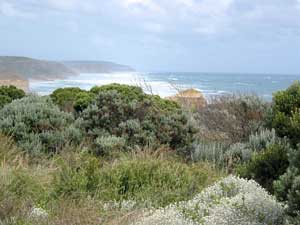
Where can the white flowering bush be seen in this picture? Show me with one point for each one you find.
(230, 201)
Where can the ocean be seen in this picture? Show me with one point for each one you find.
(166, 84)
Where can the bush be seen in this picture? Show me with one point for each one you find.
(140, 122)
(229, 201)
(38, 125)
(228, 156)
(129, 92)
(288, 186)
(265, 167)
(258, 142)
(72, 99)
(285, 114)
(231, 118)
(9, 93)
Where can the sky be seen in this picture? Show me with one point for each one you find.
(240, 36)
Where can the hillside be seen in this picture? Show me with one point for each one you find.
(28, 68)
(97, 67)
(24, 68)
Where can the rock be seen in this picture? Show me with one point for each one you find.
(190, 98)
(15, 80)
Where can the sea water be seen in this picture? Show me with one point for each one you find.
(166, 84)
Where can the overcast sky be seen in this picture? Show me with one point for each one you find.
(158, 35)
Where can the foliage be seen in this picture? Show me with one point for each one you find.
(228, 156)
(38, 125)
(288, 186)
(213, 152)
(126, 91)
(143, 179)
(140, 123)
(231, 118)
(135, 93)
(285, 114)
(70, 99)
(156, 181)
(229, 201)
(9, 93)
(265, 167)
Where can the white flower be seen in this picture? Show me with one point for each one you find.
(38, 213)
(230, 201)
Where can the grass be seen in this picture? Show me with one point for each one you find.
(78, 188)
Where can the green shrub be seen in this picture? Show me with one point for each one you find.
(141, 178)
(70, 99)
(140, 122)
(157, 181)
(76, 177)
(83, 100)
(228, 156)
(134, 93)
(38, 125)
(108, 144)
(266, 166)
(285, 114)
(9, 93)
(288, 186)
(130, 93)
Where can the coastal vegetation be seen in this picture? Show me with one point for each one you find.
(116, 155)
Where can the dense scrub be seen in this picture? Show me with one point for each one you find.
(115, 155)
(37, 125)
(229, 201)
(114, 122)
(48, 191)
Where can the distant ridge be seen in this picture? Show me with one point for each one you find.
(28, 68)
(97, 67)
(24, 68)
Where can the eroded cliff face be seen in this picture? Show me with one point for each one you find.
(21, 84)
(190, 98)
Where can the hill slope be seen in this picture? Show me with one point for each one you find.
(28, 68)
(97, 67)
(23, 68)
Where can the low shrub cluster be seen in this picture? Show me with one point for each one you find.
(284, 115)
(72, 99)
(121, 118)
(9, 93)
(142, 178)
(37, 125)
(229, 201)
(231, 118)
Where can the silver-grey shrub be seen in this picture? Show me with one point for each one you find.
(230, 201)
(225, 155)
(38, 125)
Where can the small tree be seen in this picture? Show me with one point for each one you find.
(285, 115)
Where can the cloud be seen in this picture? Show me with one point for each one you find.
(10, 10)
(142, 7)
(190, 17)
(153, 27)
(73, 5)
